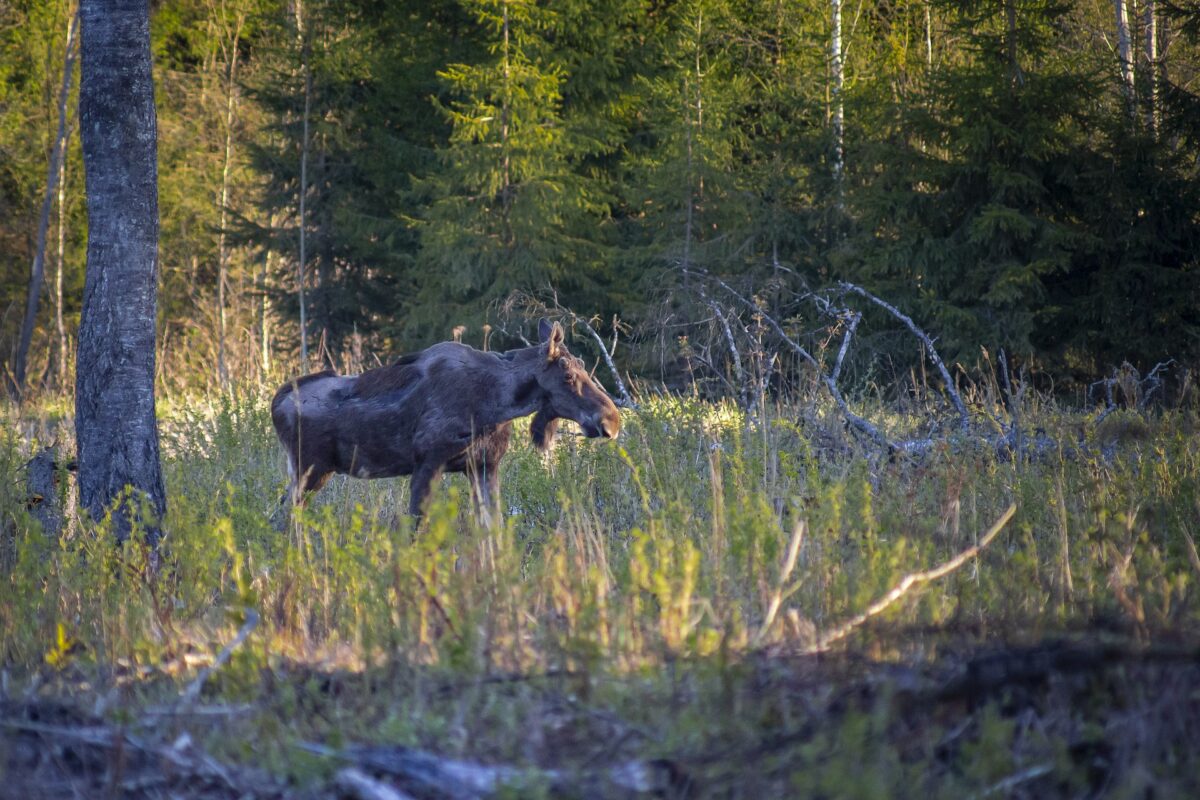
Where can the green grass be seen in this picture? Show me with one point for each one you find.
(618, 611)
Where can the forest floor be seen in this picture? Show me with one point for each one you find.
(713, 606)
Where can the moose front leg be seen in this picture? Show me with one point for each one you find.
(419, 487)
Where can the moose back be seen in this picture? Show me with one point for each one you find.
(447, 408)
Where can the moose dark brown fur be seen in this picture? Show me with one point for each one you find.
(448, 408)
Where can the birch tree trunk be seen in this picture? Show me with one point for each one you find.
(839, 115)
(300, 267)
(114, 377)
(231, 59)
(1125, 53)
(231, 113)
(59, 264)
(1153, 118)
(38, 269)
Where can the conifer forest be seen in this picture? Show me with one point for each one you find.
(872, 327)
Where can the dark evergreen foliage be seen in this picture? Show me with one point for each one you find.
(998, 184)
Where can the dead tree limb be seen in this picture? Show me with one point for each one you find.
(622, 392)
(182, 757)
(357, 784)
(831, 386)
(785, 572)
(852, 320)
(427, 774)
(930, 350)
(902, 588)
(738, 372)
(193, 690)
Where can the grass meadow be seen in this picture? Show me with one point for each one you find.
(667, 598)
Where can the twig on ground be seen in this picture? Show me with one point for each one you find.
(423, 773)
(359, 785)
(902, 588)
(193, 690)
(181, 755)
(1003, 787)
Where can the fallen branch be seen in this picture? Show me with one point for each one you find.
(851, 325)
(785, 572)
(824, 642)
(193, 690)
(360, 786)
(739, 373)
(427, 774)
(1005, 786)
(182, 756)
(931, 351)
(830, 385)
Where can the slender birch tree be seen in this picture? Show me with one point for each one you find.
(1125, 54)
(53, 175)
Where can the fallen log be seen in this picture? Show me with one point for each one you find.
(429, 776)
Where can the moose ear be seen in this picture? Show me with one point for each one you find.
(551, 335)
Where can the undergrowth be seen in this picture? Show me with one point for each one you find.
(620, 605)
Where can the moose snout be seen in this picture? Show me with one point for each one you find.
(607, 424)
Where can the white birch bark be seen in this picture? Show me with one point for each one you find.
(1153, 117)
(231, 92)
(306, 67)
(1125, 54)
(837, 80)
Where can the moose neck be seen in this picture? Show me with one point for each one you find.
(519, 394)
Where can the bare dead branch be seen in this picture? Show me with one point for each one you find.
(785, 572)
(622, 392)
(182, 756)
(902, 588)
(424, 773)
(193, 690)
(738, 372)
(851, 324)
(357, 784)
(855, 421)
(1005, 786)
(930, 350)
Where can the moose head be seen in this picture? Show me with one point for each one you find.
(568, 392)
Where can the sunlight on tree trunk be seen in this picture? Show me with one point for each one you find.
(306, 67)
(231, 46)
(1152, 67)
(839, 118)
(1125, 53)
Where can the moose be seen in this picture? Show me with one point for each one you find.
(448, 408)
